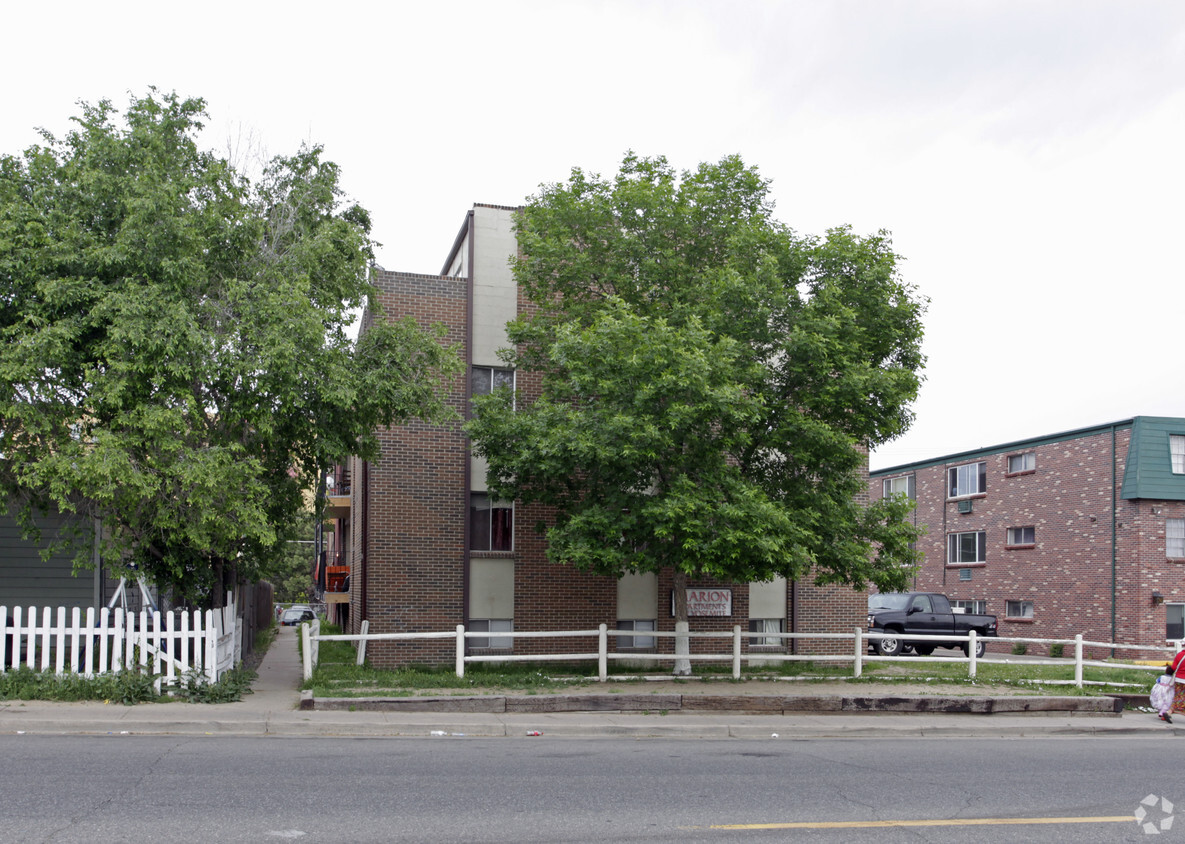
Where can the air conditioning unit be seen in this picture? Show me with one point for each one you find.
(965, 505)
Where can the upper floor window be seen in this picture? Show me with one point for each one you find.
(1174, 538)
(963, 548)
(491, 524)
(967, 480)
(1177, 450)
(485, 379)
(898, 486)
(1018, 463)
(1022, 536)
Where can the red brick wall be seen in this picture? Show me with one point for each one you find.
(414, 566)
(1068, 573)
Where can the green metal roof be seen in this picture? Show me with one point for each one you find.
(1149, 470)
(1016, 445)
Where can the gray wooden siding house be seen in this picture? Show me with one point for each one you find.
(28, 580)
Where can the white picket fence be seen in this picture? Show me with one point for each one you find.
(170, 645)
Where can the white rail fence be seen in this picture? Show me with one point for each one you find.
(858, 654)
(171, 646)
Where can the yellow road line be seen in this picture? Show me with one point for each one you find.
(931, 822)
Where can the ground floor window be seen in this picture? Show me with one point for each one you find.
(1174, 621)
(491, 625)
(973, 607)
(765, 625)
(636, 642)
(1018, 609)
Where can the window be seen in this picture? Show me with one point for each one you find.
(1177, 452)
(483, 380)
(1174, 538)
(635, 641)
(898, 486)
(1018, 609)
(967, 480)
(491, 524)
(491, 625)
(963, 548)
(1022, 536)
(974, 607)
(1018, 463)
(1174, 621)
(765, 625)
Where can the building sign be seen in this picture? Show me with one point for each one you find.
(706, 602)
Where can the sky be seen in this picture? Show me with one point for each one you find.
(1025, 156)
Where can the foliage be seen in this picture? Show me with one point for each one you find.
(291, 573)
(174, 349)
(126, 687)
(1020, 648)
(231, 686)
(710, 382)
(1056, 650)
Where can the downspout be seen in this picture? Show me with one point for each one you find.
(1114, 629)
(794, 614)
(468, 413)
(943, 553)
(364, 557)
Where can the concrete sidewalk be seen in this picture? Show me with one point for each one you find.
(272, 710)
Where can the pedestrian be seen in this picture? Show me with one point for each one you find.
(1177, 669)
(1162, 694)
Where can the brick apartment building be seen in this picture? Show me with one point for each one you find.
(427, 549)
(1077, 532)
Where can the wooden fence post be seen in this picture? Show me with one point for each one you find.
(460, 650)
(858, 664)
(1078, 660)
(306, 648)
(603, 652)
(736, 652)
(365, 631)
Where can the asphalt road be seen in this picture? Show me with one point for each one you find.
(459, 789)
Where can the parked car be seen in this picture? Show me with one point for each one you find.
(295, 615)
(899, 614)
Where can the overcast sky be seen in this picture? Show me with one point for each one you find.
(1026, 156)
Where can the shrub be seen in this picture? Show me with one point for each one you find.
(1055, 650)
(1020, 648)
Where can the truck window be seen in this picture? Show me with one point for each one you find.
(922, 603)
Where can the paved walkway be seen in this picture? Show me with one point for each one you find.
(272, 710)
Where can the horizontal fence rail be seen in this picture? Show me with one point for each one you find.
(858, 656)
(171, 646)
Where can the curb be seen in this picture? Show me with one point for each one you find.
(721, 704)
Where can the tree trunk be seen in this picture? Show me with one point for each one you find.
(682, 642)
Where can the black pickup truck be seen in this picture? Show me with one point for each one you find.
(923, 614)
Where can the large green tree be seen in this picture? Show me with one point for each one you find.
(711, 382)
(175, 357)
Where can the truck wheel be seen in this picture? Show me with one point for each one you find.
(980, 647)
(890, 645)
(924, 650)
